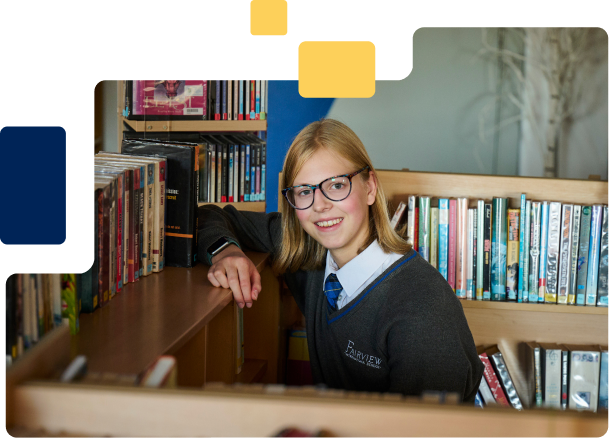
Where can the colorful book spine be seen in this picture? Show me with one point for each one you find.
(479, 248)
(564, 387)
(603, 388)
(263, 91)
(564, 263)
(242, 173)
(410, 229)
(416, 227)
(602, 266)
(513, 248)
(527, 249)
(582, 256)
(263, 172)
(433, 236)
(535, 219)
(543, 251)
(69, 303)
(257, 114)
(253, 100)
(522, 254)
(236, 100)
(577, 213)
(246, 196)
(253, 173)
(224, 100)
(231, 155)
(424, 226)
(553, 252)
(486, 267)
(461, 268)
(443, 237)
(229, 100)
(240, 117)
(593, 259)
(469, 290)
(506, 380)
(452, 243)
(493, 382)
(218, 114)
(247, 87)
(499, 249)
(212, 183)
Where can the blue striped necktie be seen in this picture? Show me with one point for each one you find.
(332, 289)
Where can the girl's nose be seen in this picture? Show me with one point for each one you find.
(320, 202)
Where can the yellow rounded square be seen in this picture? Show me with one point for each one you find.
(336, 69)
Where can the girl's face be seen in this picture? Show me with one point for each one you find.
(344, 238)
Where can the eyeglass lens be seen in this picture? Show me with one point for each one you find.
(335, 189)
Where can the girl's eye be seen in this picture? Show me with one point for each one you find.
(304, 192)
(337, 186)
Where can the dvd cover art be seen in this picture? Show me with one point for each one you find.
(582, 256)
(602, 265)
(169, 98)
(513, 247)
(533, 279)
(553, 251)
(564, 269)
(577, 210)
(499, 249)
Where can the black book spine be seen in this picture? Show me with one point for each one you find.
(11, 316)
(217, 114)
(224, 173)
(564, 387)
(203, 172)
(486, 268)
(224, 97)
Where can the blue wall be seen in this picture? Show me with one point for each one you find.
(288, 114)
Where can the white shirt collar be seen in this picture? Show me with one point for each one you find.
(359, 269)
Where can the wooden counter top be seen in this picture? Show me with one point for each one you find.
(154, 316)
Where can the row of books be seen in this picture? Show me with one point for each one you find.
(543, 252)
(556, 376)
(38, 303)
(196, 100)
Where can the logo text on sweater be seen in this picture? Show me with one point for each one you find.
(365, 359)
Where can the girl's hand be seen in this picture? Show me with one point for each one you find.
(232, 269)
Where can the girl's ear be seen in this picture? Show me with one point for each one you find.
(371, 186)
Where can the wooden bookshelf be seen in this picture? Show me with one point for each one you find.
(243, 206)
(196, 125)
(252, 372)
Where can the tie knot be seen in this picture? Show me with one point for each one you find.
(332, 289)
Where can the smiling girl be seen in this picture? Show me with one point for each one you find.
(379, 317)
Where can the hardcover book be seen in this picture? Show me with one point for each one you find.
(398, 215)
(433, 235)
(491, 379)
(533, 375)
(522, 253)
(471, 253)
(504, 377)
(158, 100)
(452, 243)
(486, 267)
(411, 211)
(527, 249)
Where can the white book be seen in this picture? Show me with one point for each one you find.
(485, 392)
(553, 252)
(584, 377)
(469, 293)
(564, 264)
(411, 212)
(577, 211)
(551, 374)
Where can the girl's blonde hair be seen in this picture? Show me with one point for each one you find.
(298, 249)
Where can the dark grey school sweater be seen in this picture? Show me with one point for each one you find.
(405, 333)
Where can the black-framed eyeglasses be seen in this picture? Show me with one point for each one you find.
(335, 188)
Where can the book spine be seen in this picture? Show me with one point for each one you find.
(499, 249)
(513, 291)
(162, 211)
(263, 91)
(433, 237)
(218, 113)
(397, 216)
(543, 251)
(522, 254)
(224, 173)
(527, 250)
(479, 249)
(224, 100)
(551, 367)
(69, 303)
(205, 92)
(493, 382)
(258, 170)
(410, 229)
(533, 279)
(133, 218)
(584, 379)
(424, 225)
(537, 364)
(253, 100)
(564, 387)
(240, 100)
(236, 170)
(157, 233)
(485, 391)
(416, 228)
(266, 98)
(471, 232)
(603, 386)
(577, 212)
(242, 173)
(553, 251)
(564, 264)
(127, 222)
(150, 204)
(236, 100)
(486, 265)
(594, 254)
(443, 237)
(246, 195)
(583, 254)
(204, 175)
(112, 253)
(452, 243)
(257, 116)
(461, 267)
(229, 98)
(253, 173)
(247, 87)
(263, 172)
(231, 152)
(119, 233)
(602, 267)
(506, 380)
(139, 221)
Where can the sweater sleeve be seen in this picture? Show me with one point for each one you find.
(431, 348)
(251, 230)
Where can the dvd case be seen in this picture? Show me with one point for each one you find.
(582, 256)
(513, 289)
(533, 279)
(564, 265)
(576, 220)
(553, 251)
(602, 266)
(499, 249)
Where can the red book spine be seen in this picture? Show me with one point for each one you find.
(452, 242)
(415, 238)
(253, 100)
(119, 238)
(493, 382)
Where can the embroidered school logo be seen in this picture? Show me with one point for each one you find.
(365, 359)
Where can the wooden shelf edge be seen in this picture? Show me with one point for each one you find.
(196, 125)
(529, 307)
(252, 372)
(243, 206)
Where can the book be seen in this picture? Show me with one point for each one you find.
(564, 380)
(471, 253)
(582, 256)
(424, 226)
(108, 264)
(513, 289)
(257, 115)
(160, 99)
(527, 249)
(229, 100)
(479, 249)
(603, 386)
(253, 89)
(553, 251)
(584, 376)
(240, 100)
(504, 377)
(231, 176)
(535, 239)
(602, 266)
(576, 224)
(443, 237)
(596, 220)
(533, 374)
(543, 251)
(398, 216)
(433, 233)
(69, 303)
(486, 267)
(180, 186)
(411, 211)
(103, 245)
(452, 243)
(491, 379)
(551, 364)
(211, 100)
(263, 92)
(485, 392)
(247, 87)
(161, 374)
(499, 249)
(416, 227)
(564, 264)
(224, 84)
(248, 164)
(522, 254)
